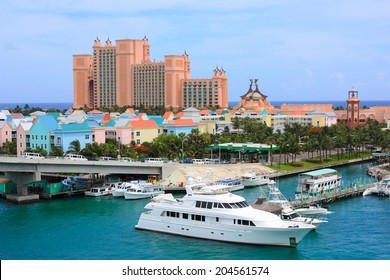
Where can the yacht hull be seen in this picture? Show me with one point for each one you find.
(287, 237)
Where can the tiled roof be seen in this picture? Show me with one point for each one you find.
(185, 122)
(143, 124)
(74, 127)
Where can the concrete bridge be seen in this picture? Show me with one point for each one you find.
(23, 171)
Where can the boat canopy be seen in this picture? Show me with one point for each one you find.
(319, 172)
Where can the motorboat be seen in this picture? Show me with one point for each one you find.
(213, 212)
(121, 189)
(143, 190)
(313, 209)
(233, 183)
(287, 211)
(317, 182)
(251, 179)
(382, 188)
(106, 189)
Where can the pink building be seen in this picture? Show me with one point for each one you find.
(23, 138)
(5, 133)
(124, 75)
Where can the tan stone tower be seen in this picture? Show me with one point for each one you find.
(353, 103)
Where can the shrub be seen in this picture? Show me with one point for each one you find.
(297, 163)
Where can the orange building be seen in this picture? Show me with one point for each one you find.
(354, 115)
(124, 75)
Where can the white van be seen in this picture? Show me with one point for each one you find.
(155, 160)
(75, 157)
(197, 161)
(32, 156)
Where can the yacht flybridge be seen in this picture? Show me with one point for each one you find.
(212, 212)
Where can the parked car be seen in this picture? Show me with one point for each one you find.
(75, 157)
(106, 159)
(33, 155)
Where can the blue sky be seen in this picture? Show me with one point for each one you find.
(298, 49)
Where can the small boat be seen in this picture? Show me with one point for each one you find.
(106, 189)
(212, 212)
(313, 209)
(234, 184)
(143, 190)
(251, 179)
(381, 189)
(317, 182)
(286, 211)
(121, 189)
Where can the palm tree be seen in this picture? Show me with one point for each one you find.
(74, 147)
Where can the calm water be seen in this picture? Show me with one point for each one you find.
(103, 228)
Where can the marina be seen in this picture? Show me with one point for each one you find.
(357, 229)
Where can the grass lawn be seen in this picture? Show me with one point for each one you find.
(331, 160)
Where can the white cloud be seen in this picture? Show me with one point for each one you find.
(338, 76)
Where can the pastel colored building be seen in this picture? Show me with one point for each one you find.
(143, 130)
(123, 75)
(354, 115)
(5, 133)
(253, 100)
(66, 133)
(23, 137)
(41, 133)
(181, 126)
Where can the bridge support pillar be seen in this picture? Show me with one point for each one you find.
(22, 178)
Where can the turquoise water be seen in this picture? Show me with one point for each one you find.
(84, 228)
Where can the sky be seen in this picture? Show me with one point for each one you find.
(298, 49)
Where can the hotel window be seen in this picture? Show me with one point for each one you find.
(138, 133)
(87, 137)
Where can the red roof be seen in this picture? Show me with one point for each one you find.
(167, 115)
(204, 112)
(106, 118)
(180, 114)
(143, 124)
(96, 112)
(185, 122)
(297, 113)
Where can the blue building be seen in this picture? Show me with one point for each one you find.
(41, 133)
(66, 133)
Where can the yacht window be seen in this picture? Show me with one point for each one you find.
(217, 219)
(198, 217)
(185, 216)
(209, 205)
(220, 205)
(215, 205)
(226, 205)
(245, 222)
(204, 203)
(197, 204)
(252, 224)
(234, 205)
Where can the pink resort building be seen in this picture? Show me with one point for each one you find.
(123, 75)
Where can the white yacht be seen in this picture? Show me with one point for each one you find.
(382, 188)
(106, 189)
(251, 179)
(212, 212)
(143, 190)
(233, 184)
(317, 182)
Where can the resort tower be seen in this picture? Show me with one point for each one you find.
(124, 75)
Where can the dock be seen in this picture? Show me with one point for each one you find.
(337, 194)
